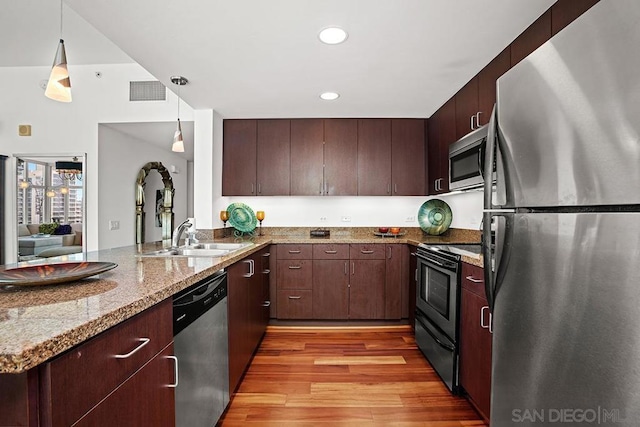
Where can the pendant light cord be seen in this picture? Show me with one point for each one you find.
(179, 100)
(60, 19)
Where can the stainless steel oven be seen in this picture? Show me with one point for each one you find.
(437, 307)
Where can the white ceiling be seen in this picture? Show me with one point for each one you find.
(252, 58)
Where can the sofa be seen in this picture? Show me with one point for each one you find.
(31, 243)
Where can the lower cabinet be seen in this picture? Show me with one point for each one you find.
(247, 310)
(475, 340)
(342, 281)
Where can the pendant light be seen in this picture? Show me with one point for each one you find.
(59, 85)
(178, 142)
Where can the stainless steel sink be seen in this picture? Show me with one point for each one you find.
(201, 249)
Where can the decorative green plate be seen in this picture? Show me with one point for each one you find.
(241, 217)
(434, 216)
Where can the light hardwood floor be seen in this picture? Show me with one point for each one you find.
(344, 377)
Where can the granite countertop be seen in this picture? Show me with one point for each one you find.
(37, 324)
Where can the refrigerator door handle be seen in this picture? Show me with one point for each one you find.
(489, 159)
(495, 249)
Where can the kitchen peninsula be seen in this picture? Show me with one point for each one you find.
(40, 324)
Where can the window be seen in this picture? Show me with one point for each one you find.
(48, 197)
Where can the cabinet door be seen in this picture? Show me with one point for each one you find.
(294, 274)
(273, 154)
(466, 108)
(408, 157)
(475, 351)
(307, 156)
(238, 321)
(239, 158)
(340, 157)
(563, 12)
(366, 289)
(396, 283)
(142, 400)
(487, 84)
(531, 38)
(374, 157)
(295, 304)
(433, 153)
(331, 289)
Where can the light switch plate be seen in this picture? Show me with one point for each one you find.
(114, 225)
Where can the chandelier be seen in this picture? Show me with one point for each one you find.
(70, 170)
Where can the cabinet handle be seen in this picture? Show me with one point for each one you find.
(259, 189)
(389, 188)
(353, 268)
(294, 297)
(389, 256)
(295, 267)
(472, 126)
(143, 342)
(326, 189)
(490, 323)
(175, 370)
(482, 324)
(478, 118)
(320, 187)
(294, 252)
(366, 252)
(346, 269)
(266, 303)
(331, 252)
(266, 271)
(415, 275)
(252, 187)
(438, 186)
(266, 254)
(473, 279)
(395, 188)
(250, 273)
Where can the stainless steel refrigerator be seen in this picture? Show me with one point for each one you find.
(562, 256)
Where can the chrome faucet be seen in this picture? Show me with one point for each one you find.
(177, 233)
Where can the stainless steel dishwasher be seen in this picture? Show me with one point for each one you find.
(201, 348)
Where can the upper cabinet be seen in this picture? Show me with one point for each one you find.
(239, 158)
(324, 157)
(307, 137)
(273, 157)
(408, 157)
(340, 157)
(531, 38)
(442, 132)
(563, 12)
(374, 157)
(467, 113)
(487, 85)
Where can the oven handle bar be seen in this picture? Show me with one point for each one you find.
(440, 343)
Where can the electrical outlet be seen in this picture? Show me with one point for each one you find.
(323, 218)
(410, 218)
(114, 225)
(346, 219)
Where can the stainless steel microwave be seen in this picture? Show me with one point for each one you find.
(466, 160)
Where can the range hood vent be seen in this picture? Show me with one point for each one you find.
(147, 91)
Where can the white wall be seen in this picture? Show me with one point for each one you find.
(121, 157)
(73, 127)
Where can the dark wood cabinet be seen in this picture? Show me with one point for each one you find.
(340, 157)
(273, 157)
(239, 156)
(307, 157)
(374, 157)
(563, 12)
(247, 312)
(408, 157)
(475, 339)
(331, 281)
(294, 281)
(487, 84)
(442, 132)
(396, 283)
(531, 38)
(466, 108)
(142, 400)
(367, 281)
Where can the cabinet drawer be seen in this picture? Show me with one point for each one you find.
(295, 304)
(366, 251)
(76, 381)
(294, 274)
(294, 251)
(473, 279)
(331, 251)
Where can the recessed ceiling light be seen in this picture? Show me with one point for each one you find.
(329, 96)
(332, 35)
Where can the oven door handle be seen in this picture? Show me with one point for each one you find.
(448, 266)
(436, 339)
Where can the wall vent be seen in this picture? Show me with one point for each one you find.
(147, 91)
